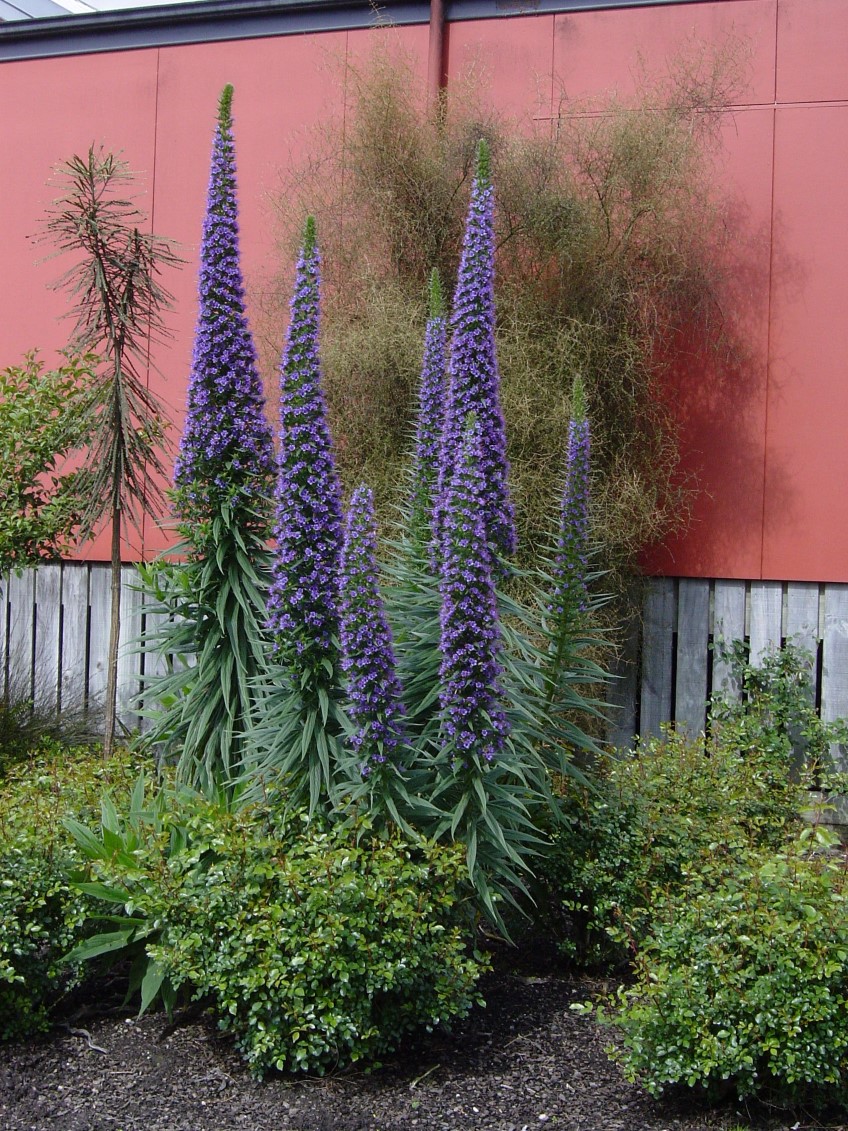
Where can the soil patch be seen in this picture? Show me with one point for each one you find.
(526, 1061)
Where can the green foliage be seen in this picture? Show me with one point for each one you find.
(210, 632)
(42, 915)
(743, 984)
(773, 710)
(42, 422)
(654, 819)
(319, 944)
(607, 233)
(691, 859)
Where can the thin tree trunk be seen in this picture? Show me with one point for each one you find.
(114, 633)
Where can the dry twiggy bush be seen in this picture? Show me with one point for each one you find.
(610, 242)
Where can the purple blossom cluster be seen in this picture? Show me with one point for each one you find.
(226, 453)
(472, 718)
(473, 376)
(431, 409)
(367, 652)
(572, 553)
(303, 596)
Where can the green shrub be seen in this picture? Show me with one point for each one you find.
(655, 818)
(41, 914)
(652, 820)
(318, 944)
(744, 983)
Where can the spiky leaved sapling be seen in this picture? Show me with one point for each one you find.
(118, 311)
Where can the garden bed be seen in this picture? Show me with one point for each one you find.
(526, 1061)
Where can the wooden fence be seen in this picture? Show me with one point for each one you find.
(54, 632)
(54, 638)
(672, 665)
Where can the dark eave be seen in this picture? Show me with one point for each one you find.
(217, 20)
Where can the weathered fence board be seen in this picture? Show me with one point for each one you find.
(21, 618)
(99, 606)
(802, 615)
(129, 683)
(4, 628)
(48, 623)
(835, 660)
(766, 617)
(623, 692)
(728, 625)
(693, 617)
(657, 658)
(73, 678)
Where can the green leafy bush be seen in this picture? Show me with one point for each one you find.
(42, 423)
(41, 914)
(318, 944)
(654, 818)
(744, 983)
(646, 828)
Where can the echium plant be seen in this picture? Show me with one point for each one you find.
(473, 376)
(487, 783)
(226, 456)
(304, 590)
(379, 739)
(302, 724)
(222, 486)
(473, 722)
(571, 560)
(430, 420)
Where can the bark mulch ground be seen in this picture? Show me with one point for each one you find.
(526, 1061)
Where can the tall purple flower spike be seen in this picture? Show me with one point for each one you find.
(431, 408)
(472, 717)
(473, 376)
(570, 594)
(367, 652)
(303, 597)
(226, 453)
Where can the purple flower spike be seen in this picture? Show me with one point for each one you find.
(470, 632)
(570, 594)
(367, 653)
(431, 408)
(226, 454)
(304, 590)
(473, 377)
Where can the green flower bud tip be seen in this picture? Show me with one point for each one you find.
(225, 107)
(484, 161)
(578, 399)
(309, 235)
(437, 306)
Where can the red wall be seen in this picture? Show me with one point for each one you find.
(766, 442)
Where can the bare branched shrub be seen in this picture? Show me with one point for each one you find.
(610, 239)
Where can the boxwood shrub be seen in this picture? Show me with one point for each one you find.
(743, 986)
(317, 944)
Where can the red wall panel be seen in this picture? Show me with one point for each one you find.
(613, 50)
(763, 435)
(721, 402)
(55, 108)
(806, 517)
